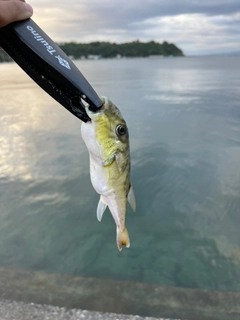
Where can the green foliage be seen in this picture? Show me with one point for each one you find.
(130, 49)
(111, 50)
(4, 56)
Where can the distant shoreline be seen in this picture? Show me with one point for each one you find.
(131, 50)
(101, 50)
(97, 50)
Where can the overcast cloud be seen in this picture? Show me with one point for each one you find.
(197, 27)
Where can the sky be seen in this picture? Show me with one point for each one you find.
(198, 27)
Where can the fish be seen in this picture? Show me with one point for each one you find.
(107, 139)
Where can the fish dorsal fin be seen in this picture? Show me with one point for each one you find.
(131, 198)
(100, 209)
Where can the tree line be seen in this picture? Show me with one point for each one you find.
(130, 49)
(111, 50)
(4, 57)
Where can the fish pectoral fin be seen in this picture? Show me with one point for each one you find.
(122, 238)
(100, 209)
(109, 161)
(131, 198)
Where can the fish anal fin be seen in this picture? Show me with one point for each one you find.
(109, 161)
(131, 198)
(101, 208)
(122, 239)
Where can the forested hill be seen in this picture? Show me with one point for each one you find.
(130, 49)
(4, 57)
(112, 50)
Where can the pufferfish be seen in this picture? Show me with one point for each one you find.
(107, 140)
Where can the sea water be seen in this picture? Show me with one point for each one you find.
(183, 116)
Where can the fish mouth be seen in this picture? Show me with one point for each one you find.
(92, 111)
(103, 99)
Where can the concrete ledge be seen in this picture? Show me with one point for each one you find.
(13, 310)
(123, 297)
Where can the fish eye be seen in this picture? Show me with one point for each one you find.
(121, 130)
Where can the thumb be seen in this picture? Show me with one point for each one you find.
(15, 10)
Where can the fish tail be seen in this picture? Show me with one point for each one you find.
(122, 239)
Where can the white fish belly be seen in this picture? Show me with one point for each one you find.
(98, 175)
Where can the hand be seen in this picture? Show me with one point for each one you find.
(14, 10)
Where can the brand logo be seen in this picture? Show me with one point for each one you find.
(63, 62)
(41, 39)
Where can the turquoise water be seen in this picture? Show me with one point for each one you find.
(184, 120)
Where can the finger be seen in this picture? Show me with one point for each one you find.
(14, 0)
(14, 11)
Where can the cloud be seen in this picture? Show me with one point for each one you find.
(195, 26)
(196, 33)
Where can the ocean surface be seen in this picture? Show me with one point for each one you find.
(183, 116)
